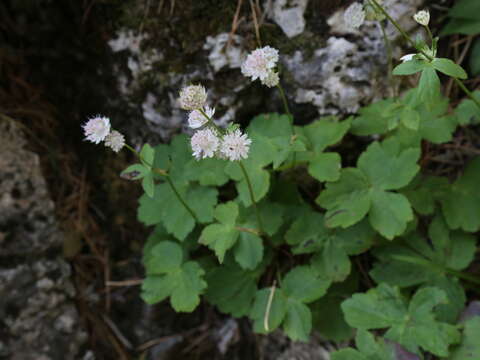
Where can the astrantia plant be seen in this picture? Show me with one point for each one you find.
(269, 223)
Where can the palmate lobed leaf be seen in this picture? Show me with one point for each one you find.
(166, 208)
(360, 191)
(413, 325)
(169, 276)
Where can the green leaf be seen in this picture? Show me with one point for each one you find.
(448, 67)
(248, 250)
(260, 180)
(148, 185)
(277, 313)
(183, 284)
(348, 354)
(328, 318)
(164, 257)
(208, 172)
(332, 262)
(387, 170)
(147, 155)
(423, 192)
(469, 349)
(219, 238)
(347, 200)
(465, 9)
(474, 62)
(389, 213)
(135, 172)
(429, 86)
(421, 261)
(222, 236)
(410, 67)
(461, 204)
(410, 118)
(231, 289)
(412, 326)
(325, 166)
(376, 117)
(298, 321)
(166, 208)
(303, 284)
(325, 132)
(467, 112)
(275, 133)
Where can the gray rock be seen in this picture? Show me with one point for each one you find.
(38, 319)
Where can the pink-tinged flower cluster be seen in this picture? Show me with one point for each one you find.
(260, 64)
(98, 129)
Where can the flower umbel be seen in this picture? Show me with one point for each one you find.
(271, 80)
(354, 16)
(422, 17)
(260, 63)
(96, 129)
(193, 97)
(204, 144)
(196, 119)
(235, 146)
(115, 141)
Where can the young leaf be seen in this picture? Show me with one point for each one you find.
(410, 67)
(448, 67)
(147, 155)
(248, 250)
(148, 184)
(135, 172)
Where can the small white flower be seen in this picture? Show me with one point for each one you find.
(260, 62)
(422, 17)
(96, 129)
(235, 146)
(354, 16)
(193, 97)
(271, 80)
(115, 141)
(407, 57)
(204, 144)
(196, 119)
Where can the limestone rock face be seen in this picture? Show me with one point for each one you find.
(38, 319)
(331, 72)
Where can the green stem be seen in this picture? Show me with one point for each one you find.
(250, 190)
(179, 197)
(468, 92)
(388, 46)
(289, 114)
(436, 267)
(169, 181)
(427, 56)
(210, 121)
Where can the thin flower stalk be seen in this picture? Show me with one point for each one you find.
(252, 198)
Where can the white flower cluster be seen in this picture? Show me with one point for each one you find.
(98, 129)
(260, 64)
(210, 142)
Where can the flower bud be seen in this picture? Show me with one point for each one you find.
(422, 17)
